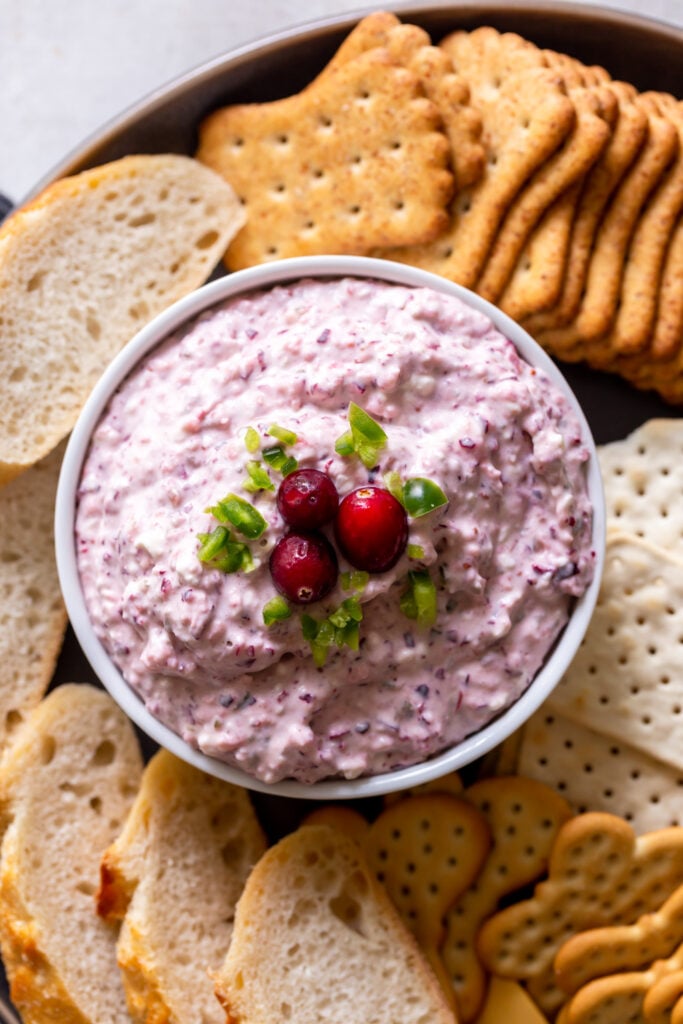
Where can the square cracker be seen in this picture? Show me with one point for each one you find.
(356, 160)
(410, 47)
(627, 139)
(596, 773)
(626, 680)
(567, 165)
(536, 281)
(599, 303)
(526, 116)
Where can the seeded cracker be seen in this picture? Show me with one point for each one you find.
(619, 998)
(524, 817)
(599, 874)
(637, 309)
(595, 773)
(526, 116)
(426, 851)
(626, 680)
(604, 177)
(34, 617)
(356, 160)
(663, 1003)
(643, 475)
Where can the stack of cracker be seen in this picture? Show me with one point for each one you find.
(610, 737)
(540, 183)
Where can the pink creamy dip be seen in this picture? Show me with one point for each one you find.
(508, 554)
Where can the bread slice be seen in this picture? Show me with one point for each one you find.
(66, 785)
(82, 268)
(176, 872)
(32, 613)
(317, 941)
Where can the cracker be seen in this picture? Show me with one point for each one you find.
(409, 46)
(667, 339)
(524, 817)
(450, 784)
(344, 819)
(33, 617)
(356, 160)
(633, 325)
(587, 75)
(569, 164)
(426, 851)
(627, 139)
(597, 952)
(595, 773)
(626, 680)
(536, 281)
(643, 477)
(598, 307)
(663, 1003)
(526, 116)
(619, 998)
(599, 874)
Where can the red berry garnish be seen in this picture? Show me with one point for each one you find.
(371, 529)
(303, 566)
(307, 498)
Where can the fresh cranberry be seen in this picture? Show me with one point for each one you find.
(307, 499)
(371, 529)
(303, 566)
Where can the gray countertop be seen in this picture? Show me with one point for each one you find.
(68, 67)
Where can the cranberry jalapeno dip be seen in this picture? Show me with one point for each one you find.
(388, 667)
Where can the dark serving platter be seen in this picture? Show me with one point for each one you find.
(647, 53)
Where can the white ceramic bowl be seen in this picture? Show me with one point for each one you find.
(463, 753)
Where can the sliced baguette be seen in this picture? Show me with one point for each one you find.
(82, 268)
(66, 785)
(32, 613)
(176, 873)
(317, 941)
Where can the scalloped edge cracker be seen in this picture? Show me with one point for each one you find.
(526, 117)
(356, 160)
(595, 773)
(426, 851)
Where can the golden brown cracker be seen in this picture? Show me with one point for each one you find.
(524, 817)
(627, 139)
(528, 120)
(620, 998)
(597, 773)
(409, 46)
(598, 307)
(662, 1003)
(633, 325)
(450, 784)
(355, 161)
(426, 851)
(344, 819)
(597, 952)
(667, 339)
(599, 873)
(536, 281)
(370, 32)
(569, 164)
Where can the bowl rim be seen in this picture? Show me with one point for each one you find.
(265, 276)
